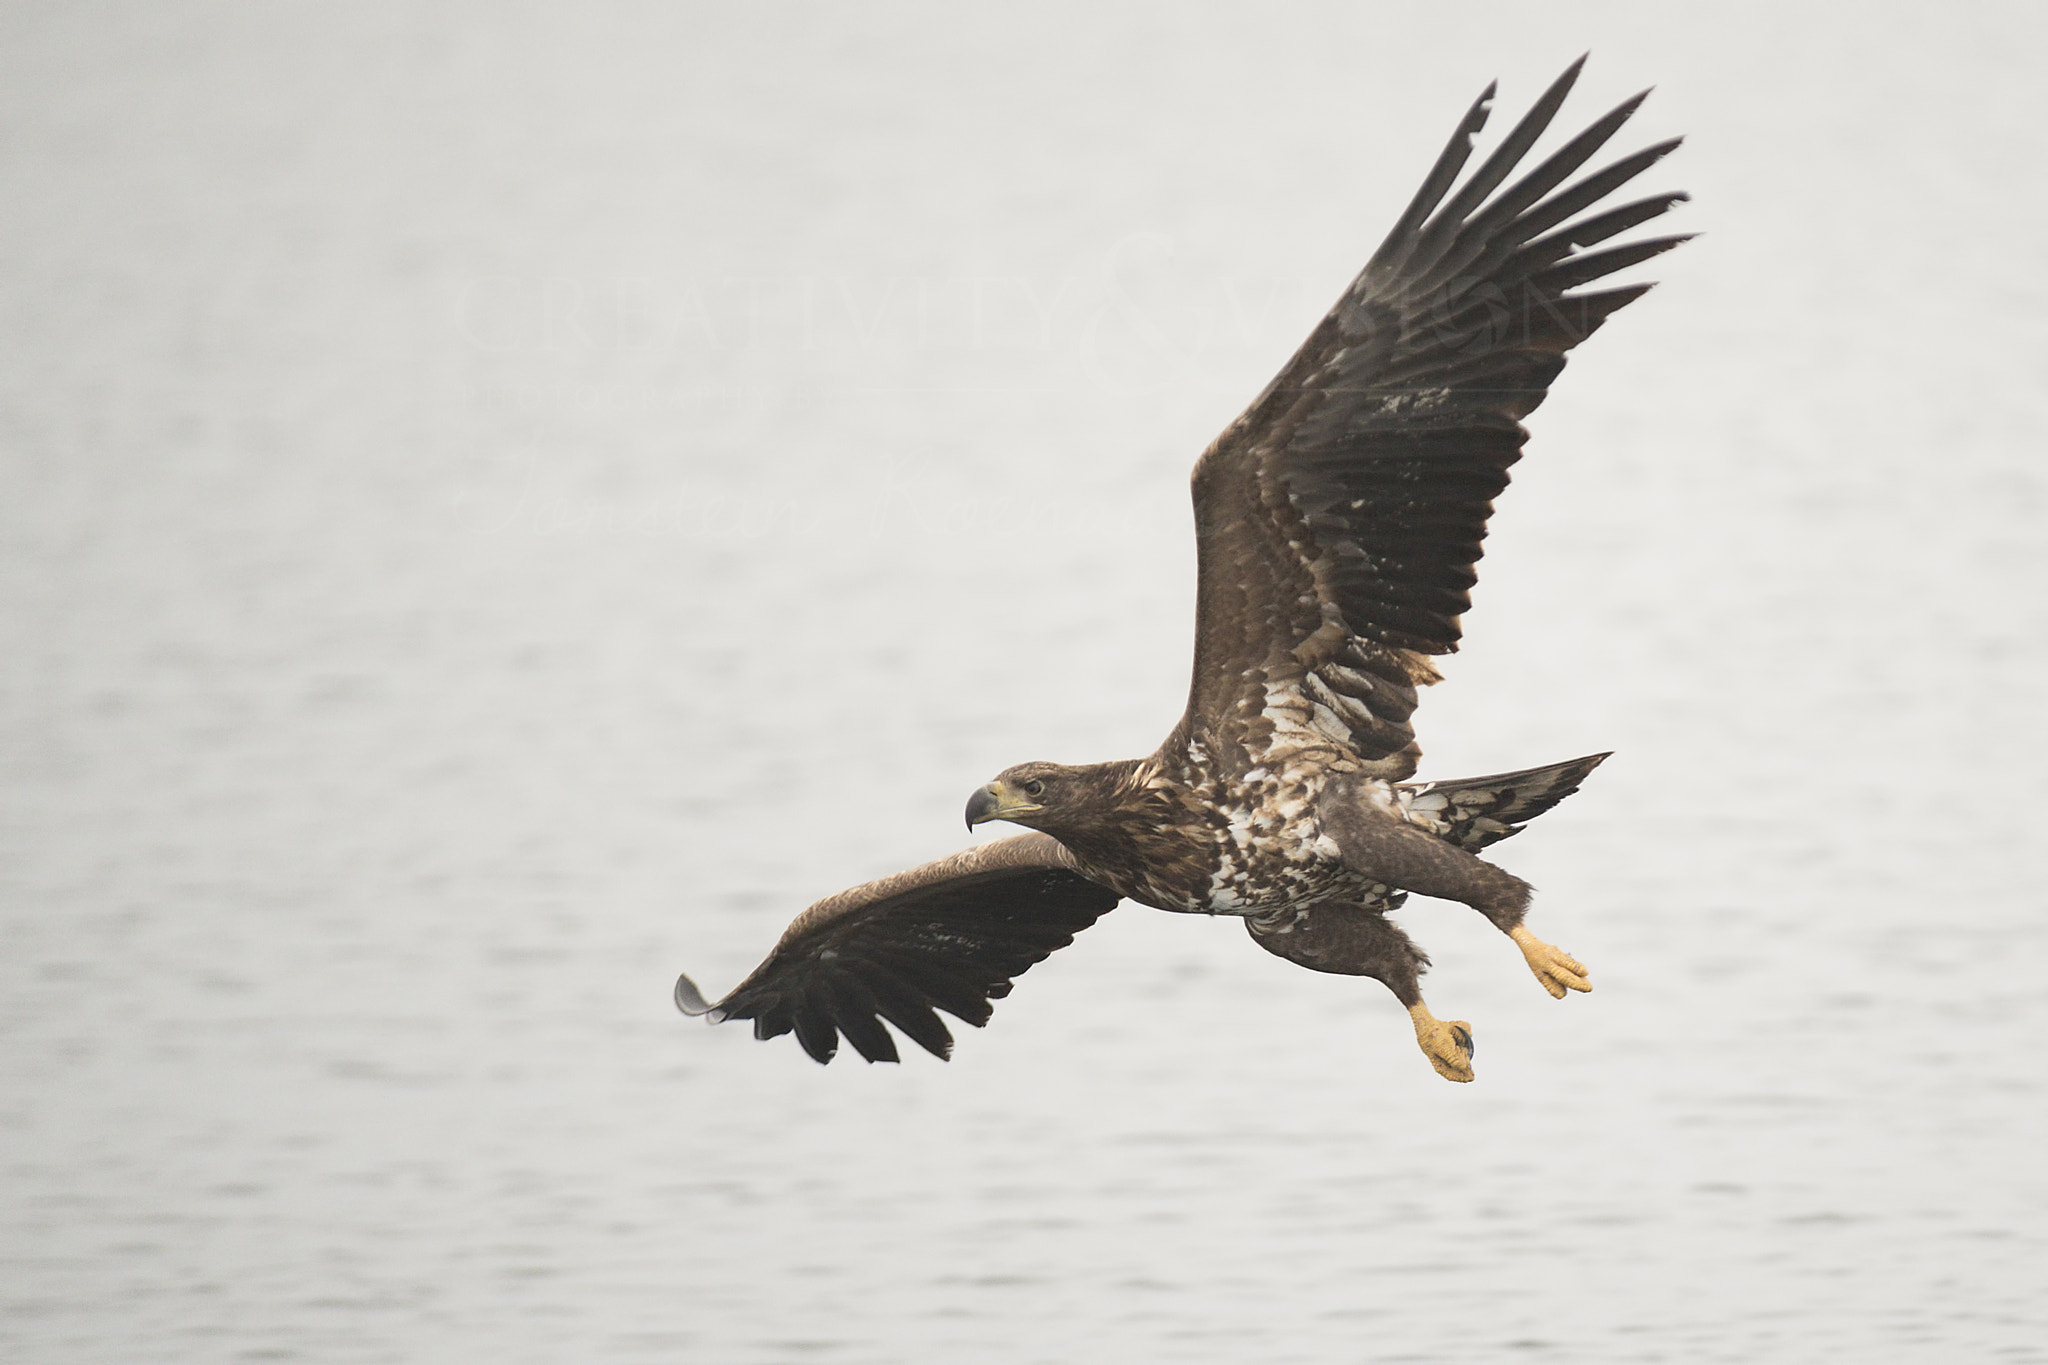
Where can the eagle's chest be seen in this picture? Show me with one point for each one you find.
(1259, 846)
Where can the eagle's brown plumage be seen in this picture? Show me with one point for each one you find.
(1338, 522)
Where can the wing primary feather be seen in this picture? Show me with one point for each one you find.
(1473, 241)
(1508, 260)
(1588, 231)
(856, 1019)
(1595, 187)
(1552, 170)
(944, 987)
(1496, 167)
(1578, 270)
(690, 1000)
(1435, 185)
(900, 1005)
(1591, 311)
(814, 1018)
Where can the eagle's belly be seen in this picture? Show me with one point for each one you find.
(1251, 881)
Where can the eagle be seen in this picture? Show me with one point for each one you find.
(1338, 522)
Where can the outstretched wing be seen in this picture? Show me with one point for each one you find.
(950, 935)
(1340, 517)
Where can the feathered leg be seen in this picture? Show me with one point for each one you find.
(1359, 940)
(1381, 844)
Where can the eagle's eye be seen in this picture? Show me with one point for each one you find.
(1034, 789)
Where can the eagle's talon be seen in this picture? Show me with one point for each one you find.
(1556, 969)
(1446, 1042)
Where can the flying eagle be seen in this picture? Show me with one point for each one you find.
(1337, 522)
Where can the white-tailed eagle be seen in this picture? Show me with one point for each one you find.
(1337, 522)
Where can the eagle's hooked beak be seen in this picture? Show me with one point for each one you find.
(998, 801)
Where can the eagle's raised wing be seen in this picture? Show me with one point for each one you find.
(1339, 518)
(949, 934)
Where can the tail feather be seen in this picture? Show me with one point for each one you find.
(1473, 812)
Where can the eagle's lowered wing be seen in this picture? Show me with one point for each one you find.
(1340, 517)
(950, 935)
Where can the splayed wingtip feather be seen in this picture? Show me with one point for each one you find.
(691, 1001)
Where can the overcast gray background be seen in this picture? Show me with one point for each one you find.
(501, 505)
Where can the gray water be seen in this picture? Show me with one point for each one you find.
(501, 506)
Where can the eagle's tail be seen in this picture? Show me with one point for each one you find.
(1473, 812)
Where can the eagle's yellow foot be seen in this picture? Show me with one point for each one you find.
(1446, 1042)
(1557, 969)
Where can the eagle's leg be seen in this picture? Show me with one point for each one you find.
(1381, 845)
(1359, 940)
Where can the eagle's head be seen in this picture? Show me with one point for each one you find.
(1042, 796)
